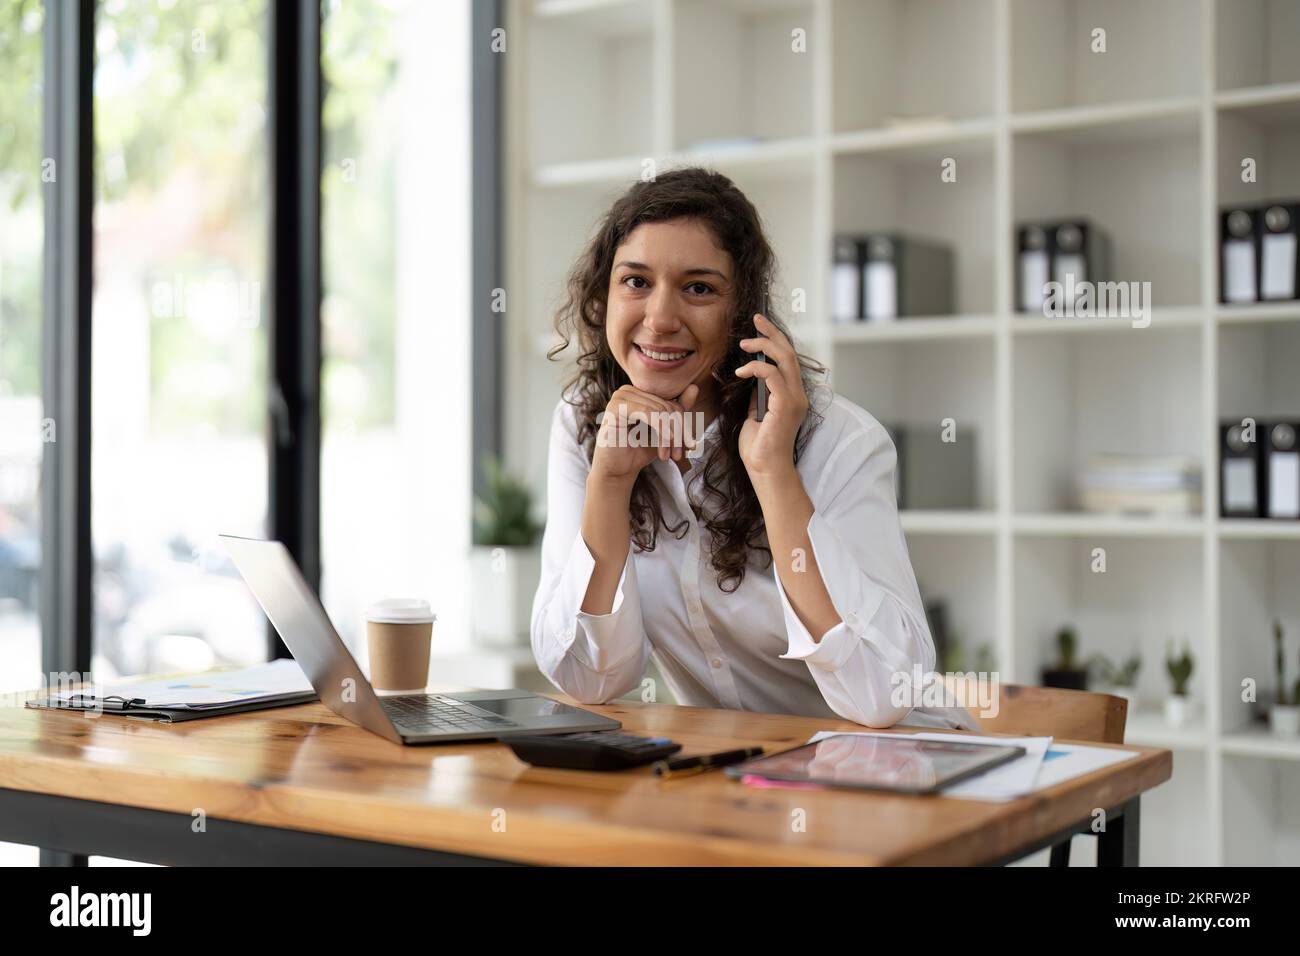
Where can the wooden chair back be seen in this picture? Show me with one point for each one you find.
(1065, 714)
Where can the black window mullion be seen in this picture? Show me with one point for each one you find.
(486, 267)
(295, 284)
(67, 563)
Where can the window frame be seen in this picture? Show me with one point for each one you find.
(294, 346)
(67, 561)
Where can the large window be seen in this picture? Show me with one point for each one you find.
(395, 470)
(181, 332)
(187, 207)
(179, 339)
(23, 428)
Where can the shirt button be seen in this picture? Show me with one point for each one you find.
(717, 662)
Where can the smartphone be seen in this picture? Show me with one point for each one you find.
(761, 384)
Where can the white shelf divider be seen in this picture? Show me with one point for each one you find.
(1082, 524)
(1259, 529)
(1279, 93)
(1148, 728)
(1260, 742)
(1097, 117)
(1173, 317)
(949, 522)
(916, 328)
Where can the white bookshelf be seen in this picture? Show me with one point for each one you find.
(1145, 139)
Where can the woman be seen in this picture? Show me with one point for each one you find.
(763, 565)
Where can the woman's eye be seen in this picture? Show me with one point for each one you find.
(700, 288)
(631, 280)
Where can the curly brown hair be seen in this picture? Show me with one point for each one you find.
(737, 525)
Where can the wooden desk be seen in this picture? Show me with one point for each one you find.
(302, 785)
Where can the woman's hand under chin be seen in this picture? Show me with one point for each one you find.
(617, 457)
(767, 447)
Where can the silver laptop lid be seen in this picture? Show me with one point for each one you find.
(273, 576)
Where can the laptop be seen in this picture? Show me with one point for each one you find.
(297, 615)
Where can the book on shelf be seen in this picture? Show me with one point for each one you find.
(1140, 484)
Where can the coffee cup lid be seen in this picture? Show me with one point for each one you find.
(400, 611)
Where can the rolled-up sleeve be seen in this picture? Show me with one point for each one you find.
(866, 665)
(592, 657)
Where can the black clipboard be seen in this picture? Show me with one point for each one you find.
(169, 715)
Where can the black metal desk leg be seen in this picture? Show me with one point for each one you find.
(62, 858)
(1118, 845)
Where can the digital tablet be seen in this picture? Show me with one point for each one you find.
(895, 762)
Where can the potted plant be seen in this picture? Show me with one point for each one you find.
(1178, 704)
(505, 564)
(1284, 715)
(1067, 673)
(1120, 681)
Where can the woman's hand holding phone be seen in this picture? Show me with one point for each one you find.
(767, 447)
(767, 450)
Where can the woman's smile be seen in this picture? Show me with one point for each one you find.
(662, 359)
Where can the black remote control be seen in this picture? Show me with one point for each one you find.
(601, 750)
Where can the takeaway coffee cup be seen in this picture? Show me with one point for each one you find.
(398, 632)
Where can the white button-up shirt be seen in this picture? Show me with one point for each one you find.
(744, 650)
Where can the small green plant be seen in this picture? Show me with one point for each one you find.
(1107, 673)
(1067, 644)
(1180, 668)
(1127, 674)
(954, 661)
(1279, 648)
(503, 515)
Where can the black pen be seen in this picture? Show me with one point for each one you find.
(684, 766)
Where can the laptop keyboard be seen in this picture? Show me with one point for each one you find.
(426, 713)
